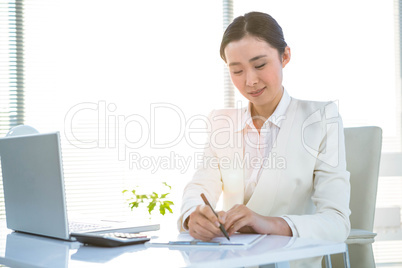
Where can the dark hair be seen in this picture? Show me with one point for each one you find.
(257, 24)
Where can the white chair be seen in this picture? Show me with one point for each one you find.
(21, 130)
(363, 153)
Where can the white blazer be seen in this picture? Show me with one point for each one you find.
(304, 178)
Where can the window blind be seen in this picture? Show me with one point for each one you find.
(229, 93)
(11, 71)
(387, 252)
(95, 78)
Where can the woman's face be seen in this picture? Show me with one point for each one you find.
(256, 69)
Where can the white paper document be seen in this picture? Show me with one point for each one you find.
(185, 240)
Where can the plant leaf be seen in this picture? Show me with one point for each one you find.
(170, 210)
(134, 205)
(164, 183)
(164, 195)
(167, 204)
(162, 210)
(151, 207)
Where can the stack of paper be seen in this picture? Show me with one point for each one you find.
(184, 240)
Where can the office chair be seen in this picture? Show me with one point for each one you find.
(21, 130)
(363, 153)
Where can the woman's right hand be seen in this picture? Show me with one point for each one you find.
(203, 224)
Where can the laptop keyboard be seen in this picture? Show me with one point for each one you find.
(85, 226)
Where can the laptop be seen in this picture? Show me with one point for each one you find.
(34, 192)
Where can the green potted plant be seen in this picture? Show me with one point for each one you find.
(151, 200)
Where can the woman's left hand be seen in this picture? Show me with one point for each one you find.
(242, 219)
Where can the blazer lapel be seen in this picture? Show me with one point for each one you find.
(265, 191)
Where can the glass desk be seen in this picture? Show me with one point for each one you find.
(24, 250)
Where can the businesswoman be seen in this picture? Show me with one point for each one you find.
(280, 161)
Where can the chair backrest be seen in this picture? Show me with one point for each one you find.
(21, 130)
(363, 153)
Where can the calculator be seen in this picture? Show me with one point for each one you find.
(110, 239)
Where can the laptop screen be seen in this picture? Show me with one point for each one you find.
(33, 184)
